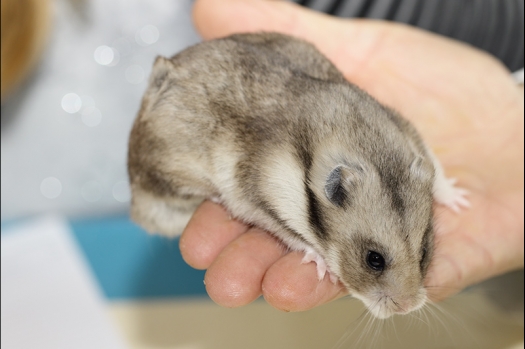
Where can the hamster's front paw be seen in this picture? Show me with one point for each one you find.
(312, 256)
(447, 194)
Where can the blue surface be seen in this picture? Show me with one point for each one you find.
(130, 264)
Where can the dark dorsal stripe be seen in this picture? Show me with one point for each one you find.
(390, 183)
(270, 211)
(315, 214)
(246, 171)
(426, 246)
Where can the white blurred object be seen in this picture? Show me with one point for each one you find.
(49, 297)
(518, 346)
(518, 76)
(71, 120)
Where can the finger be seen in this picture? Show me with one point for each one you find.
(454, 256)
(210, 229)
(464, 253)
(463, 261)
(234, 278)
(291, 286)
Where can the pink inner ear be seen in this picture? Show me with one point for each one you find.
(336, 185)
(341, 181)
(419, 169)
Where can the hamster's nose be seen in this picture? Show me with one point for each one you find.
(406, 305)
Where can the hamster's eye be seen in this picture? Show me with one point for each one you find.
(375, 261)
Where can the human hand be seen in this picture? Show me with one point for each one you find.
(461, 100)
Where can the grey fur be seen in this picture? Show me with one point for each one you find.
(217, 116)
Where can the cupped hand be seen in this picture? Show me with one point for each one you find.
(462, 101)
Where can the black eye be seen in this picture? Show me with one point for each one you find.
(375, 261)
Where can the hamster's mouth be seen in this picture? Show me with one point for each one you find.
(384, 306)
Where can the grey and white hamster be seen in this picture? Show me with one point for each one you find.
(267, 126)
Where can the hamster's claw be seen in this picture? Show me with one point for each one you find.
(311, 256)
(322, 268)
(451, 196)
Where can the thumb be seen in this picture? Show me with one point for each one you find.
(365, 51)
(218, 18)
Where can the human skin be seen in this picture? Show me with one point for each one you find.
(465, 106)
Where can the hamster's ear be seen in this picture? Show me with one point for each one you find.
(341, 181)
(161, 68)
(421, 168)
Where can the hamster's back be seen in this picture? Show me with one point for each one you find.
(245, 85)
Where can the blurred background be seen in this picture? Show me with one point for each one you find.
(76, 273)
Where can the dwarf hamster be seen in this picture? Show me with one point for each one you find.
(267, 126)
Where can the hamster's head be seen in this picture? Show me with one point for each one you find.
(378, 231)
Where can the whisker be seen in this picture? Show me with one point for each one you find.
(347, 334)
